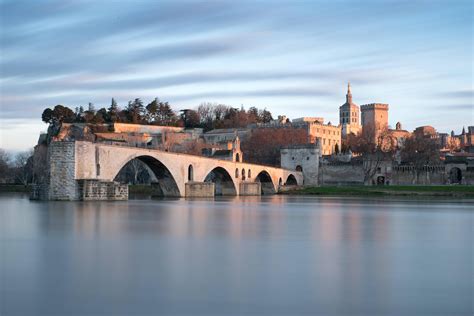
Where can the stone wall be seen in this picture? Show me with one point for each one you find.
(341, 174)
(100, 190)
(409, 175)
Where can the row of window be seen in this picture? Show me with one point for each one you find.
(346, 120)
(328, 132)
(346, 114)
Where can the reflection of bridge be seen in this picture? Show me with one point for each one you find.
(85, 170)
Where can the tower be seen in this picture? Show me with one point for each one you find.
(349, 115)
(374, 118)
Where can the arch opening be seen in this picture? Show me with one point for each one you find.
(243, 174)
(149, 171)
(455, 175)
(222, 181)
(237, 157)
(190, 173)
(291, 180)
(299, 168)
(266, 183)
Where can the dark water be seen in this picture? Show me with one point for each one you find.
(250, 256)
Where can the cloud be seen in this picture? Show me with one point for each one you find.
(462, 94)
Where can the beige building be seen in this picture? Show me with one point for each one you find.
(349, 114)
(327, 135)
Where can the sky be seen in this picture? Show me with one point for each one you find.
(292, 57)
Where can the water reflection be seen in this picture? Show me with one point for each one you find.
(258, 255)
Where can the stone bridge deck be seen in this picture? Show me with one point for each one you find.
(74, 164)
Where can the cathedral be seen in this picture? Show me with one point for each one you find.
(349, 114)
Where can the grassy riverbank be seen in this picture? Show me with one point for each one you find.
(14, 188)
(435, 190)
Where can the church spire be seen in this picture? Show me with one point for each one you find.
(349, 94)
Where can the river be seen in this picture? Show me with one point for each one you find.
(276, 255)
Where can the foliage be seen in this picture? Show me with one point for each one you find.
(207, 115)
(269, 141)
(420, 151)
(375, 146)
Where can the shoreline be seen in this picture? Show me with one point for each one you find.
(415, 190)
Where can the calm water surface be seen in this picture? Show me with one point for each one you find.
(260, 256)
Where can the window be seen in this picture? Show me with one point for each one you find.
(243, 174)
(236, 172)
(249, 174)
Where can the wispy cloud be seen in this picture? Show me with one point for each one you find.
(286, 55)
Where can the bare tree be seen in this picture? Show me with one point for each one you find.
(264, 145)
(23, 167)
(375, 146)
(420, 151)
(4, 166)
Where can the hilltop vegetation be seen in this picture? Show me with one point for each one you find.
(207, 115)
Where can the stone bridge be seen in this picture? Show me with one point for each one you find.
(86, 171)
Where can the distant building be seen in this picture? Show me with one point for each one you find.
(224, 135)
(399, 135)
(349, 114)
(375, 115)
(328, 135)
(231, 153)
(426, 131)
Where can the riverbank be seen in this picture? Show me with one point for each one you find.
(435, 190)
(15, 188)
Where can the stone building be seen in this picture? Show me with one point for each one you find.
(303, 158)
(374, 116)
(224, 135)
(232, 152)
(349, 114)
(399, 135)
(326, 135)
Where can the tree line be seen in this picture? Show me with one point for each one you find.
(207, 115)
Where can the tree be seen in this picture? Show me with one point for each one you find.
(58, 115)
(135, 111)
(420, 151)
(190, 118)
(113, 112)
(265, 116)
(375, 146)
(4, 166)
(23, 168)
(206, 114)
(264, 144)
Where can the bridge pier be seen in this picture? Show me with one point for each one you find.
(199, 189)
(250, 188)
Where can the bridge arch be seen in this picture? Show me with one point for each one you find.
(291, 180)
(266, 183)
(224, 184)
(166, 184)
